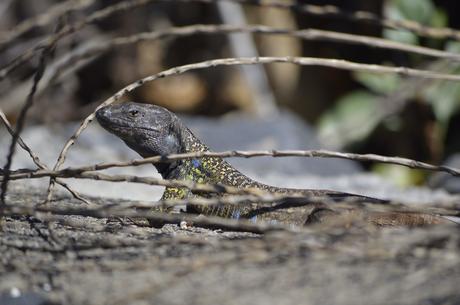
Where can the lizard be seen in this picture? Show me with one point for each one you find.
(151, 130)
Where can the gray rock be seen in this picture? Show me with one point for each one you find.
(446, 181)
(95, 263)
(28, 298)
(284, 131)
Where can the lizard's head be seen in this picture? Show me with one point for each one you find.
(148, 129)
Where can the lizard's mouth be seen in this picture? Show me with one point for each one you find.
(126, 131)
(125, 126)
(116, 124)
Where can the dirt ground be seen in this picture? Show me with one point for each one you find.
(108, 261)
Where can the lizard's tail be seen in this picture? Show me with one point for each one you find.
(454, 219)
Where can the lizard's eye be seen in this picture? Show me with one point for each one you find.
(133, 113)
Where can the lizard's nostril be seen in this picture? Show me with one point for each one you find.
(101, 113)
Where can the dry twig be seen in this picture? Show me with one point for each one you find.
(21, 120)
(307, 34)
(247, 195)
(70, 29)
(52, 214)
(50, 15)
(358, 16)
(37, 160)
(274, 153)
(307, 9)
(73, 60)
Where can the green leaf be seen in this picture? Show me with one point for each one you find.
(379, 83)
(417, 10)
(352, 119)
(399, 175)
(439, 18)
(444, 96)
(422, 11)
(453, 46)
(401, 36)
(445, 100)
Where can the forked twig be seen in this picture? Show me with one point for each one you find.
(36, 159)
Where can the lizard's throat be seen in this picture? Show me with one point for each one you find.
(169, 170)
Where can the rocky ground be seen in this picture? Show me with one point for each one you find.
(99, 261)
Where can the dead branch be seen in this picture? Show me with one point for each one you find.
(22, 117)
(52, 214)
(274, 153)
(82, 55)
(46, 18)
(358, 16)
(37, 160)
(328, 10)
(98, 48)
(70, 29)
(305, 34)
(244, 195)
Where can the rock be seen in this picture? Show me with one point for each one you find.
(141, 265)
(28, 298)
(446, 181)
(284, 131)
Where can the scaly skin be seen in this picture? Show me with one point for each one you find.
(152, 130)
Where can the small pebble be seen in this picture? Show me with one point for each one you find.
(15, 292)
(47, 287)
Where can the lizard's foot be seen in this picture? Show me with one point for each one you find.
(321, 215)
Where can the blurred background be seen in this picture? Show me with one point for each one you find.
(300, 106)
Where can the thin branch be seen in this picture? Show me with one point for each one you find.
(205, 222)
(66, 65)
(70, 29)
(21, 143)
(82, 172)
(133, 211)
(36, 159)
(145, 212)
(256, 198)
(358, 16)
(306, 34)
(272, 200)
(273, 153)
(247, 195)
(20, 123)
(73, 192)
(249, 154)
(260, 197)
(52, 13)
(39, 72)
(72, 61)
(307, 9)
(198, 187)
